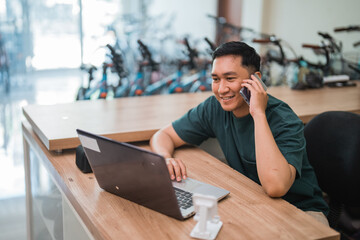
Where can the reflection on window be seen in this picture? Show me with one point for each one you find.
(55, 28)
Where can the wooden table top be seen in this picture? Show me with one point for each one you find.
(138, 118)
(247, 213)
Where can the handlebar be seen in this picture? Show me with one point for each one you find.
(325, 35)
(333, 45)
(312, 46)
(118, 62)
(222, 21)
(219, 20)
(147, 56)
(236, 28)
(212, 45)
(261, 40)
(144, 50)
(192, 53)
(347, 29)
(325, 66)
(272, 39)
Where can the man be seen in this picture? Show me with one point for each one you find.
(263, 140)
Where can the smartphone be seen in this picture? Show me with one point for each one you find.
(245, 93)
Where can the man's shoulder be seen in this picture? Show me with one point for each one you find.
(273, 101)
(275, 104)
(281, 110)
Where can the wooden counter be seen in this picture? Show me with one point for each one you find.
(247, 213)
(138, 118)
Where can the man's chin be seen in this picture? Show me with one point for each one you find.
(233, 107)
(227, 108)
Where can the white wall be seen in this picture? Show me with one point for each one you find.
(252, 14)
(298, 22)
(190, 16)
(295, 21)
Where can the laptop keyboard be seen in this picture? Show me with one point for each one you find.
(184, 198)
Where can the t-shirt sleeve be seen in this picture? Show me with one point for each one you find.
(289, 136)
(194, 127)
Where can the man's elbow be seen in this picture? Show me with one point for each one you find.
(275, 190)
(151, 142)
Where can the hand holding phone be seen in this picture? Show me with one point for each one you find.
(245, 93)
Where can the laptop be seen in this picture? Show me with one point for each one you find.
(142, 176)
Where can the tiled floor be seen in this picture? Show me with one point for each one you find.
(47, 87)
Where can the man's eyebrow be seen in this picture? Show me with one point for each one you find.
(230, 73)
(225, 74)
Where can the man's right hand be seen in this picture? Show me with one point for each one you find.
(164, 142)
(177, 169)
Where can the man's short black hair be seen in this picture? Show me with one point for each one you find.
(248, 54)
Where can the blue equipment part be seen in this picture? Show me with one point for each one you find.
(137, 89)
(158, 86)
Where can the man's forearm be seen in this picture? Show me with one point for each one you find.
(164, 142)
(275, 173)
(161, 143)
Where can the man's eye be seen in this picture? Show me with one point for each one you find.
(230, 78)
(215, 79)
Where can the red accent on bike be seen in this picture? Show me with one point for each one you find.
(103, 95)
(178, 89)
(202, 88)
(138, 92)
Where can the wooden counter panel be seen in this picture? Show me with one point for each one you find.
(125, 119)
(309, 103)
(137, 118)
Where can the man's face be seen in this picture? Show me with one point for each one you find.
(228, 74)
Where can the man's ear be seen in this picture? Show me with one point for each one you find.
(258, 74)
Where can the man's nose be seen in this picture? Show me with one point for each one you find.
(222, 86)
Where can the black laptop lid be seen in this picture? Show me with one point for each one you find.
(131, 172)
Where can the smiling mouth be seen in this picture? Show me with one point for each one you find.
(227, 98)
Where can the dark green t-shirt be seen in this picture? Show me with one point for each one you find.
(236, 138)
